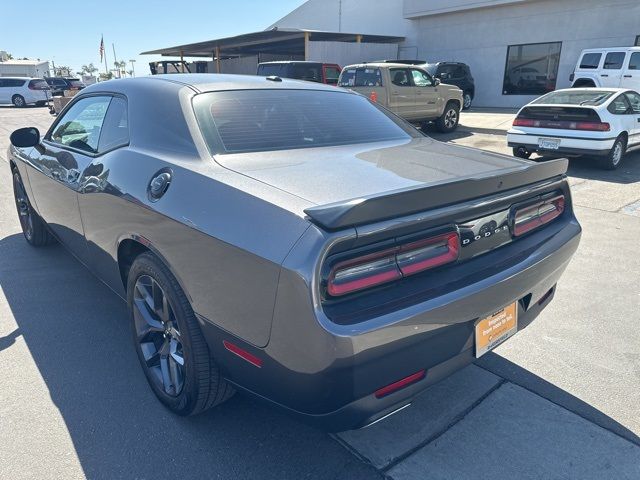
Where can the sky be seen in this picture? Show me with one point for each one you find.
(70, 33)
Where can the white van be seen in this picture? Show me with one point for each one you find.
(608, 67)
(21, 91)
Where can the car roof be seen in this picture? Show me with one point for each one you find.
(281, 62)
(206, 82)
(588, 89)
(613, 49)
(382, 65)
(21, 78)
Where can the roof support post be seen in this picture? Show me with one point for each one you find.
(182, 60)
(307, 36)
(217, 59)
(358, 38)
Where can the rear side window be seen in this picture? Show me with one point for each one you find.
(614, 60)
(634, 100)
(115, 128)
(361, 77)
(634, 61)
(270, 70)
(14, 82)
(590, 61)
(619, 105)
(279, 119)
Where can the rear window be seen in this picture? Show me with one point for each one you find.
(590, 61)
(361, 77)
(265, 120)
(39, 85)
(76, 83)
(573, 97)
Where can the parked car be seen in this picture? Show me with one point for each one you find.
(455, 73)
(291, 239)
(23, 91)
(408, 91)
(327, 73)
(59, 84)
(602, 122)
(608, 67)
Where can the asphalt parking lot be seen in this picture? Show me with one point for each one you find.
(559, 400)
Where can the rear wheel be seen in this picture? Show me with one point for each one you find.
(583, 84)
(18, 101)
(449, 119)
(170, 346)
(614, 158)
(33, 227)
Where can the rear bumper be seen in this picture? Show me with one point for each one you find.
(326, 374)
(572, 146)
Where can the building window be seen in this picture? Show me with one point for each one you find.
(531, 69)
(638, 41)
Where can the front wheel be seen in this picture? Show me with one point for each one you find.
(467, 99)
(449, 119)
(33, 227)
(170, 346)
(614, 158)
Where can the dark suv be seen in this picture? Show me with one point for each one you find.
(455, 73)
(59, 84)
(311, 71)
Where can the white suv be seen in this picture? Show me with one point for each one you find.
(21, 91)
(608, 67)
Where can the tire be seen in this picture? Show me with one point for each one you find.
(449, 119)
(168, 333)
(615, 156)
(18, 101)
(40, 103)
(34, 229)
(583, 84)
(521, 152)
(467, 99)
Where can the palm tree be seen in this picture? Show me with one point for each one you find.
(130, 73)
(88, 69)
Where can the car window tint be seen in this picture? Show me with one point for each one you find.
(634, 100)
(81, 124)
(421, 79)
(619, 105)
(115, 128)
(614, 60)
(634, 61)
(310, 73)
(331, 74)
(361, 77)
(14, 82)
(269, 70)
(266, 120)
(400, 77)
(590, 61)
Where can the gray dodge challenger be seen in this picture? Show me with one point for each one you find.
(292, 240)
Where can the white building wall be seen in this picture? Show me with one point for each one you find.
(480, 37)
(344, 53)
(17, 68)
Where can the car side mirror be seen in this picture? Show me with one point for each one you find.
(437, 81)
(25, 137)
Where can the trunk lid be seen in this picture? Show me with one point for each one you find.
(357, 184)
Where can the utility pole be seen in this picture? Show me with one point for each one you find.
(133, 67)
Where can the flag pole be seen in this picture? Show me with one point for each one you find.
(115, 59)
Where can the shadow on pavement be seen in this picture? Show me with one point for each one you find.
(77, 333)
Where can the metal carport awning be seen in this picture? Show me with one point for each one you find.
(279, 41)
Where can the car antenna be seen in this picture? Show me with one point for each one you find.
(274, 78)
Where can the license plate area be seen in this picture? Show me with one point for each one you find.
(491, 331)
(549, 143)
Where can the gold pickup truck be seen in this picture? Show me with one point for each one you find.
(406, 90)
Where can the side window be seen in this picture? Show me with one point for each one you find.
(634, 100)
(2, 83)
(421, 79)
(614, 60)
(400, 77)
(81, 125)
(634, 61)
(590, 61)
(115, 128)
(331, 75)
(14, 82)
(619, 106)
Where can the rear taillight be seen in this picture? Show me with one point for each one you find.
(392, 264)
(562, 124)
(533, 216)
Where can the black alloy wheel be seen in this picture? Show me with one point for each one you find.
(33, 227)
(172, 350)
(158, 335)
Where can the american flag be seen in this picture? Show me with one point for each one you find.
(101, 48)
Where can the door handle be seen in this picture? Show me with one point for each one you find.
(604, 75)
(628, 76)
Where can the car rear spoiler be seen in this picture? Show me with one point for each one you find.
(395, 203)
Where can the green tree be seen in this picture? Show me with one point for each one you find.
(88, 69)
